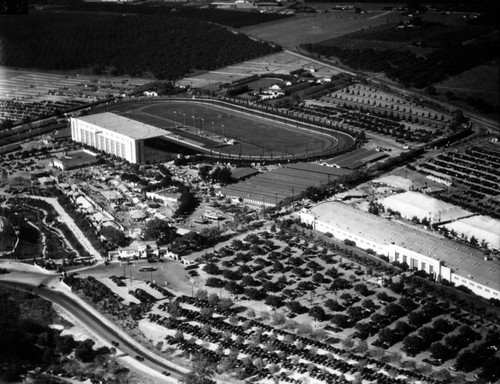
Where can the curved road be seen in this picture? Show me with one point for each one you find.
(100, 328)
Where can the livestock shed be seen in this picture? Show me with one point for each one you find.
(413, 204)
(290, 180)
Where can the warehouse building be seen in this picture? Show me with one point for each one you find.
(420, 249)
(128, 139)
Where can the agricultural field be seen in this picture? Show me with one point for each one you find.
(214, 127)
(433, 52)
(290, 33)
(481, 83)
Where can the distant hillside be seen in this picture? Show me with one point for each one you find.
(169, 47)
(7, 235)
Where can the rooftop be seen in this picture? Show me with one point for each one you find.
(464, 260)
(128, 127)
(78, 158)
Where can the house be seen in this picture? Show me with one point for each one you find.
(136, 250)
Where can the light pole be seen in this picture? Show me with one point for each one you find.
(184, 115)
(202, 123)
(193, 121)
(175, 119)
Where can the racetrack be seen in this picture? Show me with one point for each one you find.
(234, 130)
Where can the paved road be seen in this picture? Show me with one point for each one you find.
(100, 328)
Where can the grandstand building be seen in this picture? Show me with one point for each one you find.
(440, 257)
(117, 135)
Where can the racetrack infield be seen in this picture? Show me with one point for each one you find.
(212, 126)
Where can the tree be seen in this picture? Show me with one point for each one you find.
(413, 344)
(318, 313)
(362, 289)
(333, 305)
(254, 294)
(341, 320)
(204, 172)
(394, 310)
(213, 299)
(202, 371)
(368, 304)
(318, 278)
(212, 269)
(160, 231)
(441, 351)
(274, 301)
(201, 294)
(222, 175)
(188, 202)
(84, 351)
(114, 235)
(388, 336)
(296, 307)
(234, 288)
(206, 312)
(466, 361)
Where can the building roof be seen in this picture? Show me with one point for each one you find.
(74, 159)
(319, 169)
(241, 173)
(417, 204)
(464, 260)
(481, 227)
(111, 195)
(357, 158)
(128, 127)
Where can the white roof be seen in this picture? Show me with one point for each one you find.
(464, 260)
(481, 227)
(411, 204)
(128, 127)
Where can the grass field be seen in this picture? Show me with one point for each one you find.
(210, 125)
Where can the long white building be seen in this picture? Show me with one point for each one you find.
(117, 135)
(419, 248)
